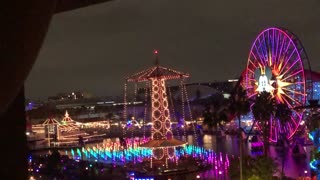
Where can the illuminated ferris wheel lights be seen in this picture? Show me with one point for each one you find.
(275, 65)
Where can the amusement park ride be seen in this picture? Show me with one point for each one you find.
(65, 132)
(161, 154)
(162, 142)
(276, 64)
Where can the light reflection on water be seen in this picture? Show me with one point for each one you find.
(294, 167)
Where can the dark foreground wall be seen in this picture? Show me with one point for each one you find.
(13, 140)
(23, 26)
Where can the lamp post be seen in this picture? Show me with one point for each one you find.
(48, 136)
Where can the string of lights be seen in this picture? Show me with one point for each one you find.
(124, 108)
(156, 110)
(135, 99)
(157, 72)
(145, 107)
(190, 112)
(183, 111)
(161, 130)
(173, 109)
(134, 108)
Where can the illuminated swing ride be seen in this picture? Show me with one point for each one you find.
(161, 150)
(162, 142)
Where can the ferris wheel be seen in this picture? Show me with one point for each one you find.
(276, 64)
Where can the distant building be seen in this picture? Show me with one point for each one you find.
(70, 96)
(30, 105)
(315, 88)
(90, 103)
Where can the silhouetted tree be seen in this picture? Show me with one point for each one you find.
(239, 105)
(263, 109)
(54, 164)
(254, 168)
(215, 112)
(283, 114)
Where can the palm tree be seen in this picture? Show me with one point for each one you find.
(263, 109)
(207, 118)
(215, 112)
(283, 114)
(214, 117)
(239, 105)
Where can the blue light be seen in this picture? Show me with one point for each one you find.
(310, 136)
(129, 123)
(312, 166)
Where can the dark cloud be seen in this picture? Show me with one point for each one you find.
(94, 48)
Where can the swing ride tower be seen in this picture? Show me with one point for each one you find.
(162, 141)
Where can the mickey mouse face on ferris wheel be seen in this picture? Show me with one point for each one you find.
(263, 76)
(263, 71)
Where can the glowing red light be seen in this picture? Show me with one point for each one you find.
(155, 51)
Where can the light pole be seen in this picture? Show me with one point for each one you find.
(48, 136)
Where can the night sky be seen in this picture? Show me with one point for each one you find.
(95, 48)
